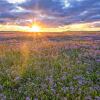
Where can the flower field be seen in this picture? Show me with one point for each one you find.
(50, 66)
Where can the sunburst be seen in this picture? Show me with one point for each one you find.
(36, 28)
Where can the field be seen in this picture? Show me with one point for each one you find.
(50, 66)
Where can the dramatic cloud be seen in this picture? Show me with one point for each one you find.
(53, 13)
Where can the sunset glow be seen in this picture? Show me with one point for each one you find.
(36, 28)
(49, 15)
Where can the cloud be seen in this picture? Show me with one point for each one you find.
(53, 12)
(16, 1)
(5, 6)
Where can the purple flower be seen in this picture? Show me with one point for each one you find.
(28, 98)
(17, 78)
(98, 60)
(65, 89)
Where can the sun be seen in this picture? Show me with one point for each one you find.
(36, 28)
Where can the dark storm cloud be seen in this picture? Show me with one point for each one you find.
(55, 12)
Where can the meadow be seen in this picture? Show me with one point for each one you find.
(50, 66)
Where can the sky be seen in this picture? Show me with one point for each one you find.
(51, 15)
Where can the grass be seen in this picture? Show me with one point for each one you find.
(47, 70)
